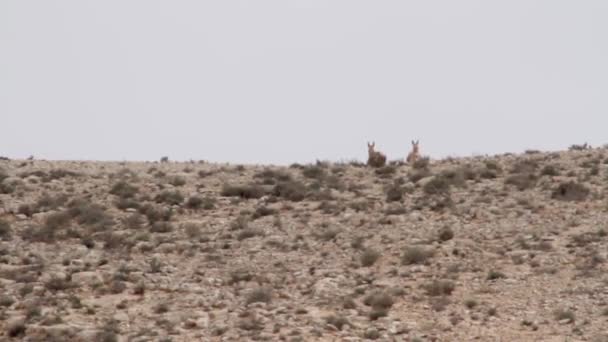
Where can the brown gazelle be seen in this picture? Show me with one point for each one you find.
(415, 153)
(375, 158)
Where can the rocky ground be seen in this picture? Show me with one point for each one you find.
(493, 248)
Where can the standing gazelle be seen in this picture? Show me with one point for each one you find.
(415, 153)
(375, 158)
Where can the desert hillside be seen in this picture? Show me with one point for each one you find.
(489, 248)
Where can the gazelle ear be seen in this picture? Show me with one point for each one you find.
(413, 142)
(417, 142)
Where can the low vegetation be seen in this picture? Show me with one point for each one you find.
(403, 251)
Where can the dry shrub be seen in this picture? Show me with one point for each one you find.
(369, 257)
(124, 190)
(439, 288)
(294, 191)
(571, 192)
(416, 255)
(250, 191)
(439, 185)
(259, 295)
(170, 197)
(522, 181)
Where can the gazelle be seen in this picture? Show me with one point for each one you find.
(415, 153)
(375, 158)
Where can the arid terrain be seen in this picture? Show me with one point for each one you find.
(487, 248)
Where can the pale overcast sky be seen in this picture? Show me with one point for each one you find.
(293, 81)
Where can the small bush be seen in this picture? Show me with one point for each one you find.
(470, 303)
(239, 275)
(263, 211)
(239, 223)
(394, 193)
(16, 328)
(445, 234)
(328, 234)
(177, 181)
(493, 165)
(571, 192)
(124, 190)
(243, 191)
(5, 230)
(47, 202)
(248, 233)
(60, 173)
(197, 202)
(417, 175)
(337, 321)
(58, 284)
(493, 275)
(522, 181)
(89, 214)
(155, 213)
(437, 186)
(293, 190)
(314, 172)
(386, 171)
(7, 188)
(194, 202)
(415, 255)
(369, 257)
(526, 166)
(169, 197)
(192, 230)
(161, 308)
(379, 300)
(6, 301)
(422, 163)
(377, 313)
(439, 288)
(549, 170)
(56, 221)
(161, 227)
(272, 177)
(563, 314)
(126, 203)
(259, 295)
(458, 176)
(3, 175)
(576, 147)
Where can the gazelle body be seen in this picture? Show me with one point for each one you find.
(375, 158)
(415, 153)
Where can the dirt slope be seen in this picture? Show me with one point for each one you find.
(501, 248)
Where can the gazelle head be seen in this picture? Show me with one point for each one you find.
(415, 146)
(371, 147)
